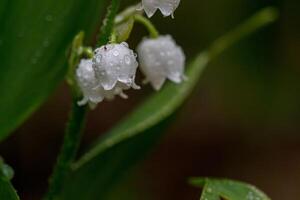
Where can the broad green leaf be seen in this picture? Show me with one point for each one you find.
(215, 189)
(34, 37)
(109, 159)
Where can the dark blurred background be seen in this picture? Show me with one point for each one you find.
(241, 122)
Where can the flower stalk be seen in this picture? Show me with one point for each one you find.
(148, 24)
(69, 149)
(78, 113)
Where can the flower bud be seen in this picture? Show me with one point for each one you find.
(167, 7)
(160, 59)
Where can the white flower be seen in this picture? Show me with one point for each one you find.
(88, 83)
(115, 63)
(161, 58)
(167, 7)
(111, 71)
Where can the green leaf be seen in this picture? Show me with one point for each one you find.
(109, 159)
(34, 37)
(215, 189)
(7, 191)
(97, 179)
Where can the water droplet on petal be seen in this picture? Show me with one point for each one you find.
(116, 53)
(125, 44)
(127, 59)
(98, 58)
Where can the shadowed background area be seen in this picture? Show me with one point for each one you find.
(241, 122)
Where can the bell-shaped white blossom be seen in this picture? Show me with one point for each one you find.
(87, 82)
(167, 7)
(160, 59)
(115, 63)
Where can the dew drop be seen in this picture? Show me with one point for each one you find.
(127, 59)
(89, 69)
(125, 44)
(49, 18)
(109, 47)
(116, 53)
(250, 196)
(209, 190)
(98, 58)
(46, 43)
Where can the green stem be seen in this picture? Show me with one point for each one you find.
(113, 37)
(148, 24)
(127, 14)
(78, 114)
(69, 149)
(108, 23)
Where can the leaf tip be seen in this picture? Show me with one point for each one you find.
(197, 182)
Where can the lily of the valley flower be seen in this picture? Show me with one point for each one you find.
(115, 63)
(111, 71)
(167, 7)
(160, 59)
(88, 83)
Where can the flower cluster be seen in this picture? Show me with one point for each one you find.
(113, 66)
(111, 71)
